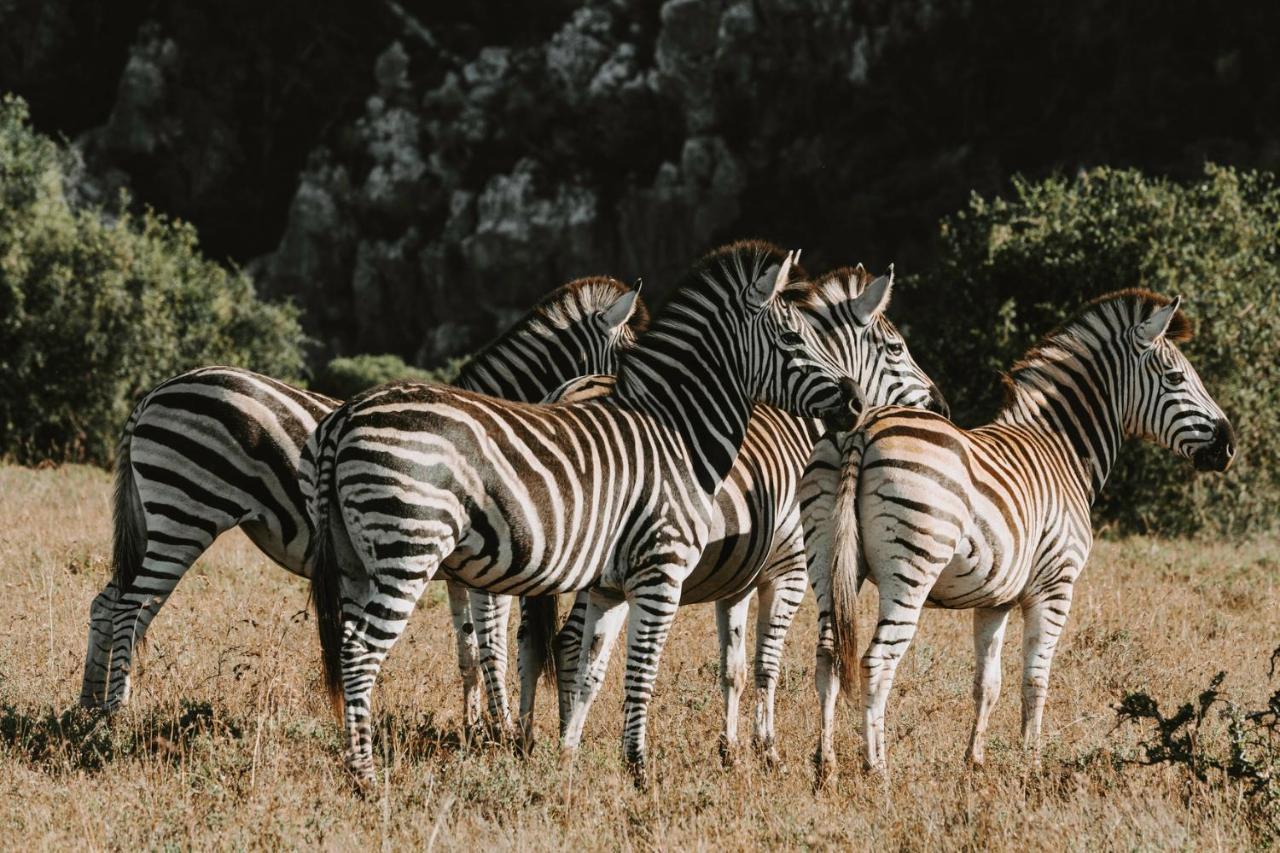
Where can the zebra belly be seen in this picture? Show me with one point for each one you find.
(973, 579)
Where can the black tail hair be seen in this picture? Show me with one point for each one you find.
(326, 571)
(128, 527)
(538, 622)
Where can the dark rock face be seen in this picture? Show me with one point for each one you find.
(415, 175)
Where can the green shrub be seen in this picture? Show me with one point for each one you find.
(96, 307)
(1011, 269)
(344, 378)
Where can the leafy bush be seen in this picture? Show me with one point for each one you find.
(343, 378)
(1011, 269)
(96, 307)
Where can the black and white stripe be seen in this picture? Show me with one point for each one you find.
(755, 542)
(218, 447)
(994, 518)
(615, 493)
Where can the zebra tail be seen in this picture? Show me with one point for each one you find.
(128, 528)
(844, 571)
(326, 572)
(540, 617)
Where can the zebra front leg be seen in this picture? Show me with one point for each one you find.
(93, 686)
(656, 597)
(988, 639)
(902, 595)
(731, 626)
(468, 647)
(492, 614)
(1043, 620)
(568, 645)
(779, 600)
(602, 620)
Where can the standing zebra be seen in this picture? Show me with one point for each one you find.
(615, 493)
(756, 542)
(996, 517)
(218, 447)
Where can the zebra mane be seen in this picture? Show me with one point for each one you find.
(563, 307)
(741, 261)
(1133, 304)
(839, 285)
(573, 302)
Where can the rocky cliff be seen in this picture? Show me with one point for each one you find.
(415, 175)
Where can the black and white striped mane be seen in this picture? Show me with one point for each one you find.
(1078, 337)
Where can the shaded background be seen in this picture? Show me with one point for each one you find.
(416, 174)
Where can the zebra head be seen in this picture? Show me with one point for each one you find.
(847, 307)
(1168, 404)
(576, 330)
(789, 366)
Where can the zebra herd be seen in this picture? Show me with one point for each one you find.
(764, 433)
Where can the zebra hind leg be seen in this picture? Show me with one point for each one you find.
(167, 559)
(988, 638)
(93, 686)
(371, 625)
(1043, 621)
(731, 626)
(779, 600)
(900, 606)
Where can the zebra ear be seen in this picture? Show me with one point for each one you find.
(873, 299)
(769, 283)
(1151, 329)
(617, 314)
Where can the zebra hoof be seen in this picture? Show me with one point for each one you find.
(824, 769)
(639, 773)
(730, 755)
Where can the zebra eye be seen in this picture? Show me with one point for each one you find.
(1175, 377)
(895, 348)
(792, 339)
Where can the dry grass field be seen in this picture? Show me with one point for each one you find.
(229, 742)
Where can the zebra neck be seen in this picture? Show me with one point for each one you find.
(675, 377)
(518, 366)
(1074, 401)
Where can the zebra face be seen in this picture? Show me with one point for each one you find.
(793, 370)
(1172, 406)
(847, 308)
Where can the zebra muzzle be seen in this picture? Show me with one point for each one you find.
(845, 415)
(1220, 452)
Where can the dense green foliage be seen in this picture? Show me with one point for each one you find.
(95, 308)
(1009, 270)
(343, 378)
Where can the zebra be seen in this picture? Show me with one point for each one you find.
(997, 517)
(218, 447)
(613, 493)
(755, 543)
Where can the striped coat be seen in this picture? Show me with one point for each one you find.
(755, 541)
(614, 494)
(218, 447)
(995, 518)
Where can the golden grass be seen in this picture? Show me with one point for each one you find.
(229, 742)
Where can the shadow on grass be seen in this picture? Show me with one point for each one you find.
(415, 738)
(78, 739)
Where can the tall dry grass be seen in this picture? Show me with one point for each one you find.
(230, 743)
